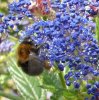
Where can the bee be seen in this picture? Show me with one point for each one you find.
(28, 58)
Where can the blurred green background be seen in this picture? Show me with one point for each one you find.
(6, 83)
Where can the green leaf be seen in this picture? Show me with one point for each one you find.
(62, 94)
(49, 88)
(27, 86)
(51, 79)
(10, 96)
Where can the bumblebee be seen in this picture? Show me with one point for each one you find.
(28, 58)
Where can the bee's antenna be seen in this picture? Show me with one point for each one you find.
(41, 45)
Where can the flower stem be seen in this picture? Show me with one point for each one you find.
(10, 96)
(13, 38)
(62, 79)
(97, 27)
(61, 76)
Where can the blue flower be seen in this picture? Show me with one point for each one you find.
(6, 46)
(61, 67)
(1, 15)
(69, 39)
(88, 86)
(76, 85)
(68, 83)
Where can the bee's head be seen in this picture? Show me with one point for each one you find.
(28, 40)
(35, 48)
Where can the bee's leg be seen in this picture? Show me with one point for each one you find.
(37, 48)
(47, 65)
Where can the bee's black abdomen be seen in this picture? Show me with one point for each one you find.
(24, 66)
(30, 69)
(35, 66)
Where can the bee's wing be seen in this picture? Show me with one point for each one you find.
(35, 65)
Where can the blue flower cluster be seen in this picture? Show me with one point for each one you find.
(93, 90)
(68, 39)
(6, 46)
(20, 8)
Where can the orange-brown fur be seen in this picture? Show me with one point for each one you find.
(23, 52)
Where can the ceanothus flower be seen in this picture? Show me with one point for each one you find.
(68, 40)
(6, 46)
